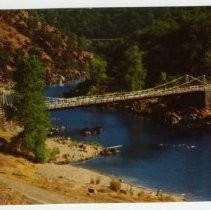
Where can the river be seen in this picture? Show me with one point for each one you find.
(152, 155)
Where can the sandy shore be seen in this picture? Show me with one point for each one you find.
(72, 151)
(84, 177)
(65, 183)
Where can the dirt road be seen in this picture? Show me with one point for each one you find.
(36, 194)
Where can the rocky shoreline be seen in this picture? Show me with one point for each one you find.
(71, 151)
(171, 116)
(67, 150)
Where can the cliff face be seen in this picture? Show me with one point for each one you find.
(22, 31)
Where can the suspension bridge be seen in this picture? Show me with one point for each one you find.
(183, 85)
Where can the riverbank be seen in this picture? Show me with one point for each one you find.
(28, 183)
(170, 113)
(67, 150)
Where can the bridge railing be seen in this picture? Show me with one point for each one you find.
(160, 90)
(98, 99)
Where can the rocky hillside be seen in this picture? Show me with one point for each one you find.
(21, 31)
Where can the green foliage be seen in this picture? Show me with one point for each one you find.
(97, 77)
(97, 70)
(176, 40)
(29, 103)
(83, 43)
(135, 73)
(52, 153)
(98, 23)
(179, 43)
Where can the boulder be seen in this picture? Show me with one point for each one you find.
(86, 132)
(92, 190)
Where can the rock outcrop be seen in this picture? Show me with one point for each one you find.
(23, 32)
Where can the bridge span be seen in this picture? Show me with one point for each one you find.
(183, 85)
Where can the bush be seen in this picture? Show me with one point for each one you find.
(41, 154)
(140, 194)
(52, 153)
(98, 180)
(95, 181)
(115, 185)
(92, 181)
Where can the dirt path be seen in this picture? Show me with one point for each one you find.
(37, 194)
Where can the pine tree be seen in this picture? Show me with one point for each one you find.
(29, 103)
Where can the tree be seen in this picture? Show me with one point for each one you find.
(135, 72)
(97, 78)
(178, 43)
(97, 74)
(97, 70)
(29, 103)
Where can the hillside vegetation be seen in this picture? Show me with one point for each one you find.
(171, 41)
(164, 43)
(22, 33)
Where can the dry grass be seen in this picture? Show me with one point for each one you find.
(10, 196)
(98, 180)
(95, 181)
(140, 194)
(114, 191)
(92, 181)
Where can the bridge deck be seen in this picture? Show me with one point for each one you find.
(61, 103)
(181, 85)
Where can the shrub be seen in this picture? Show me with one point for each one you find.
(141, 194)
(41, 154)
(98, 180)
(115, 185)
(92, 181)
(52, 153)
(95, 181)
